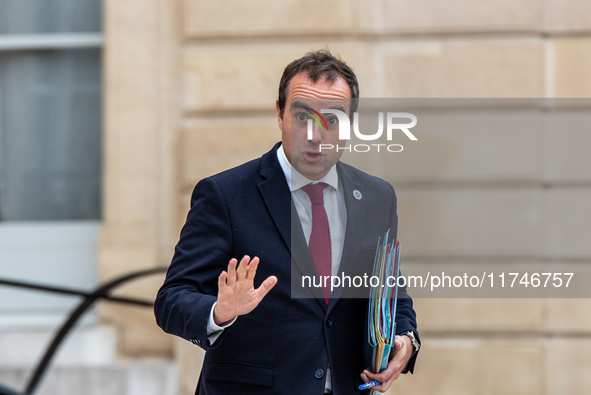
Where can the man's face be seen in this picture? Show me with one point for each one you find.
(302, 95)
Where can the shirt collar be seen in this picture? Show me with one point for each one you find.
(296, 180)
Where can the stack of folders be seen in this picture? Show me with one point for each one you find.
(381, 322)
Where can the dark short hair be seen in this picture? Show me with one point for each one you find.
(318, 64)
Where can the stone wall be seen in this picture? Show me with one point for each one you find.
(190, 90)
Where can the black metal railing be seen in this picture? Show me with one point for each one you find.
(89, 298)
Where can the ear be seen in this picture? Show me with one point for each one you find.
(279, 118)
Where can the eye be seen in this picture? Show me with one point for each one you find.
(332, 121)
(301, 116)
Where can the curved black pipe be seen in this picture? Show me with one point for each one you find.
(71, 291)
(89, 299)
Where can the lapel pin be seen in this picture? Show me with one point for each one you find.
(357, 194)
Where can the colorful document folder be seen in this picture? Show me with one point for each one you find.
(381, 313)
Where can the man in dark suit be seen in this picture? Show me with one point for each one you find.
(259, 338)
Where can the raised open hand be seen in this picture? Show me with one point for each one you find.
(236, 292)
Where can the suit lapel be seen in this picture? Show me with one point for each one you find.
(275, 193)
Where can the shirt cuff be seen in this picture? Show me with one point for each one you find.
(214, 330)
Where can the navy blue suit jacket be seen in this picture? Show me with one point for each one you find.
(286, 344)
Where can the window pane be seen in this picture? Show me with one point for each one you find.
(49, 16)
(50, 128)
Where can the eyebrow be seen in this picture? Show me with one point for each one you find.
(299, 104)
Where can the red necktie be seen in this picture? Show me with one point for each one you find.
(320, 247)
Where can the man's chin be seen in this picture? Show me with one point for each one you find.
(312, 171)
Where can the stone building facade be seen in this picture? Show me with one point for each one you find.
(190, 89)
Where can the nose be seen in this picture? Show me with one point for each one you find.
(316, 134)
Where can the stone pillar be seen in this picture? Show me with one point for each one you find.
(140, 92)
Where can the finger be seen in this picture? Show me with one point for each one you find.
(265, 287)
(402, 351)
(242, 268)
(252, 268)
(382, 376)
(388, 375)
(381, 388)
(371, 376)
(386, 381)
(232, 272)
(222, 280)
(364, 378)
(385, 384)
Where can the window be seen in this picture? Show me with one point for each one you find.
(50, 150)
(50, 110)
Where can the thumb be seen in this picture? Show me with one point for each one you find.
(266, 286)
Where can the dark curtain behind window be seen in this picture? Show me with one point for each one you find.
(49, 16)
(50, 115)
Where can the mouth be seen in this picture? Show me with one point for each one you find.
(313, 156)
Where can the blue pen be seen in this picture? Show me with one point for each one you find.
(372, 383)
